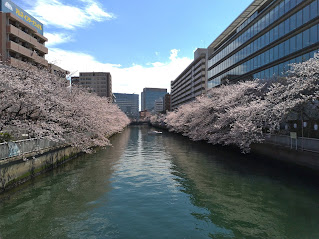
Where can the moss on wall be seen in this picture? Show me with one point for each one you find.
(19, 170)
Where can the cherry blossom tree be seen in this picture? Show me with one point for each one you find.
(297, 94)
(240, 114)
(226, 115)
(36, 102)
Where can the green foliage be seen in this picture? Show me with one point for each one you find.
(5, 137)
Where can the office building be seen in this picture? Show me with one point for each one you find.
(159, 105)
(148, 97)
(192, 82)
(75, 80)
(264, 40)
(22, 39)
(98, 82)
(129, 104)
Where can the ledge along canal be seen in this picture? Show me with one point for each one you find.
(162, 186)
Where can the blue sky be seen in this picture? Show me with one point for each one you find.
(142, 43)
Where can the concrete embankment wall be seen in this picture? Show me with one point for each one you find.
(304, 159)
(17, 170)
(45, 157)
(280, 153)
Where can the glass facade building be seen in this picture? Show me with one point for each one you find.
(149, 96)
(270, 36)
(129, 104)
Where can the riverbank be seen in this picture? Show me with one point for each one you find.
(20, 169)
(298, 158)
(15, 171)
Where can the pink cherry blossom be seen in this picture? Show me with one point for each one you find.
(240, 114)
(37, 102)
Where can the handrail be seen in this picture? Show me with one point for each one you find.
(299, 143)
(283, 135)
(22, 147)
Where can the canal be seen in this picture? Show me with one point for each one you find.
(163, 186)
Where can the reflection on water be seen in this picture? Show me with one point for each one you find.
(254, 200)
(58, 204)
(162, 186)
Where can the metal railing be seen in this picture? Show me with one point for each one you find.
(299, 143)
(21, 147)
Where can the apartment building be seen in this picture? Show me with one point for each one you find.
(262, 42)
(98, 82)
(22, 39)
(59, 72)
(192, 82)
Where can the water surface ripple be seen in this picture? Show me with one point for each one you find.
(148, 186)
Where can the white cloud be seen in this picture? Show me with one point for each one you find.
(174, 54)
(96, 13)
(124, 80)
(57, 38)
(157, 64)
(58, 14)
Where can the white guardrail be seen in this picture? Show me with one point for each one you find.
(20, 147)
(293, 142)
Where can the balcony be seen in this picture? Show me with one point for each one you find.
(199, 69)
(202, 61)
(26, 52)
(27, 38)
(29, 27)
(199, 80)
(20, 64)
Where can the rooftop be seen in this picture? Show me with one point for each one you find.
(255, 5)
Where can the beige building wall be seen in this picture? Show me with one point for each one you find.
(98, 82)
(192, 82)
(21, 43)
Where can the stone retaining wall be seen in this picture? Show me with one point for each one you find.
(20, 169)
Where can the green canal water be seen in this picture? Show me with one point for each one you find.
(149, 186)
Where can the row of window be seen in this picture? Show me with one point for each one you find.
(277, 32)
(25, 30)
(122, 105)
(92, 83)
(98, 91)
(194, 80)
(94, 79)
(25, 44)
(277, 70)
(281, 69)
(245, 23)
(103, 74)
(295, 43)
(278, 11)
